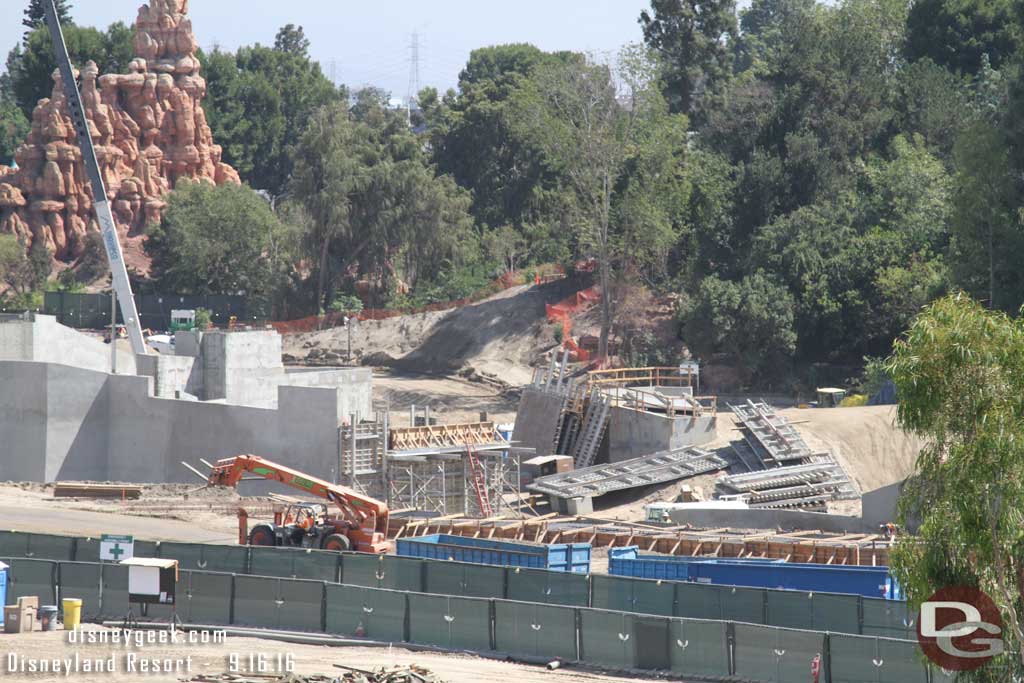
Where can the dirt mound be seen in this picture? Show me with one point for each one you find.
(501, 337)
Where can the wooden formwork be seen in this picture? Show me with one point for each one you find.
(441, 436)
(808, 546)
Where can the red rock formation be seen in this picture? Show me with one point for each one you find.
(149, 131)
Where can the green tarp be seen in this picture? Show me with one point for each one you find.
(698, 648)
(889, 619)
(207, 558)
(457, 623)
(294, 563)
(401, 573)
(81, 580)
(31, 577)
(49, 547)
(357, 612)
(776, 655)
(606, 638)
(464, 579)
(360, 569)
(862, 659)
(256, 601)
(300, 605)
(115, 591)
(632, 595)
(13, 544)
(555, 588)
(536, 630)
(207, 599)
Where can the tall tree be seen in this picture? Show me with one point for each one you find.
(574, 114)
(692, 38)
(216, 240)
(30, 67)
(959, 375)
(35, 16)
(260, 100)
(14, 128)
(958, 33)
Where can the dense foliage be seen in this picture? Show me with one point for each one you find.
(814, 171)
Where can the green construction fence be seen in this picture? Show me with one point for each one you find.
(614, 639)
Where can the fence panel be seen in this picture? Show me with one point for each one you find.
(862, 659)
(464, 579)
(208, 598)
(361, 569)
(294, 563)
(535, 630)
(776, 655)
(889, 619)
(50, 547)
(32, 577)
(836, 613)
(360, 612)
(81, 580)
(698, 648)
(401, 573)
(255, 601)
(458, 623)
(299, 605)
(13, 544)
(554, 588)
(115, 591)
(742, 604)
(606, 639)
(790, 609)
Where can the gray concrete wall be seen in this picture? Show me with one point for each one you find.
(173, 376)
(23, 419)
(879, 506)
(537, 420)
(771, 519)
(69, 423)
(633, 433)
(354, 387)
(43, 339)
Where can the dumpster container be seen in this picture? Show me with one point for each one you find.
(873, 582)
(561, 557)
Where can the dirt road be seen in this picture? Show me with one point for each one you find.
(212, 659)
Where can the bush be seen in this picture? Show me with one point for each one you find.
(204, 318)
(347, 303)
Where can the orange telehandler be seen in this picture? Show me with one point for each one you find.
(362, 524)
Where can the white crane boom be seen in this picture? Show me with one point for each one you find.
(108, 229)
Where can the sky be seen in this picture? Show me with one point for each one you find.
(368, 42)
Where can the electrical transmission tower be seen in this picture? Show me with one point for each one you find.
(414, 71)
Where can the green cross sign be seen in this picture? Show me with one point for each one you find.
(116, 548)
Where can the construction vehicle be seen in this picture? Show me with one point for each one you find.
(361, 525)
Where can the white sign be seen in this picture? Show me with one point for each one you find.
(689, 366)
(116, 548)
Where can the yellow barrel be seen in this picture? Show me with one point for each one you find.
(72, 613)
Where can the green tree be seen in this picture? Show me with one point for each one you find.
(986, 227)
(35, 16)
(30, 66)
(216, 240)
(573, 113)
(14, 128)
(376, 207)
(958, 33)
(23, 270)
(750, 321)
(692, 38)
(959, 375)
(260, 100)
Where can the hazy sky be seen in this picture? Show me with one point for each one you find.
(368, 42)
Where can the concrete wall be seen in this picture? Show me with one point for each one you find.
(69, 423)
(771, 519)
(632, 433)
(537, 420)
(879, 506)
(43, 339)
(173, 376)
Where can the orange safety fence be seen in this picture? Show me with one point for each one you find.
(563, 310)
(320, 322)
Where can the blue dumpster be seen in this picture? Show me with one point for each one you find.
(559, 557)
(872, 582)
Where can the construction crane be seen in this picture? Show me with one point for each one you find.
(108, 230)
(361, 525)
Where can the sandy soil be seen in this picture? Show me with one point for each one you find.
(450, 399)
(214, 659)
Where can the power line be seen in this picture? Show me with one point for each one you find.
(414, 70)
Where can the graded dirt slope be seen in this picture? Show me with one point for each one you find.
(499, 338)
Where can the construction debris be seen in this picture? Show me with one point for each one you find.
(781, 469)
(394, 674)
(659, 468)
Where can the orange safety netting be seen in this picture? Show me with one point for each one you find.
(563, 310)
